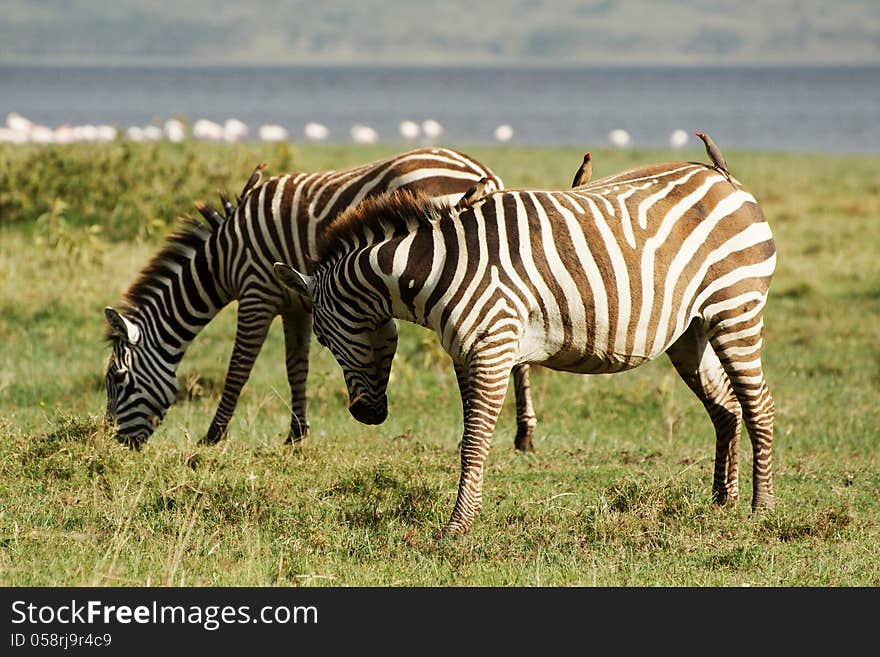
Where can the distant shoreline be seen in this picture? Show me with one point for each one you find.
(161, 63)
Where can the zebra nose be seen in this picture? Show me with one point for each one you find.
(367, 413)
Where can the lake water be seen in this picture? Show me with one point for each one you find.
(790, 109)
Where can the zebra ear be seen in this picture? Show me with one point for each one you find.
(121, 327)
(302, 284)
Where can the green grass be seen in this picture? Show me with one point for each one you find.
(617, 494)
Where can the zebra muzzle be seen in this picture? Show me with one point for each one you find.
(368, 413)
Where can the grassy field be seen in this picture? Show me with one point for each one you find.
(618, 492)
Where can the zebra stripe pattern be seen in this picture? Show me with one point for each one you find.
(205, 266)
(670, 258)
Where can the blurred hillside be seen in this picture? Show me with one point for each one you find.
(557, 32)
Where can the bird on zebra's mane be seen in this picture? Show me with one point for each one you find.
(582, 177)
(714, 154)
(475, 192)
(253, 180)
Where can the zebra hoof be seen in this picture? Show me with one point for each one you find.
(523, 442)
(451, 530)
(213, 436)
(298, 433)
(446, 535)
(724, 499)
(133, 443)
(763, 502)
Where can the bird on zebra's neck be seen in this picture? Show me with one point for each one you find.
(714, 154)
(582, 177)
(475, 192)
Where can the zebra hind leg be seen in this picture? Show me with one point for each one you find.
(738, 345)
(297, 336)
(254, 320)
(699, 367)
(525, 413)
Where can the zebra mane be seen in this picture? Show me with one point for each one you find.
(397, 212)
(180, 245)
(188, 238)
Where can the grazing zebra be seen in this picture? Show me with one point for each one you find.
(203, 267)
(666, 258)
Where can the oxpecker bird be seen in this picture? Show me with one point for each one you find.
(582, 177)
(475, 192)
(254, 179)
(714, 154)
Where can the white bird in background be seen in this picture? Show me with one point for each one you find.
(174, 130)
(207, 129)
(432, 129)
(87, 132)
(10, 136)
(41, 134)
(409, 130)
(20, 130)
(316, 131)
(273, 133)
(364, 134)
(15, 121)
(679, 138)
(153, 133)
(619, 138)
(234, 130)
(63, 134)
(503, 132)
(105, 132)
(135, 133)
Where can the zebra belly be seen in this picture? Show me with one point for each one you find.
(591, 361)
(549, 349)
(593, 364)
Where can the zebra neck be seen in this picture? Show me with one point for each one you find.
(402, 272)
(181, 295)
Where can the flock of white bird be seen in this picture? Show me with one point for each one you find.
(21, 130)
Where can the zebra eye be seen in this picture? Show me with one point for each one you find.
(118, 376)
(321, 341)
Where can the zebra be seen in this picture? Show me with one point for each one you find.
(670, 257)
(205, 265)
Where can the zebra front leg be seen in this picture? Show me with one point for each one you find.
(700, 369)
(482, 388)
(254, 319)
(297, 335)
(525, 413)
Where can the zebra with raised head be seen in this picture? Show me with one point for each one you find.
(204, 266)
(667, 258)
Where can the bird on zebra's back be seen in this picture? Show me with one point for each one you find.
(205, 265)
(714, 154)
(667, 258)
(474, 193)
(583, 174)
